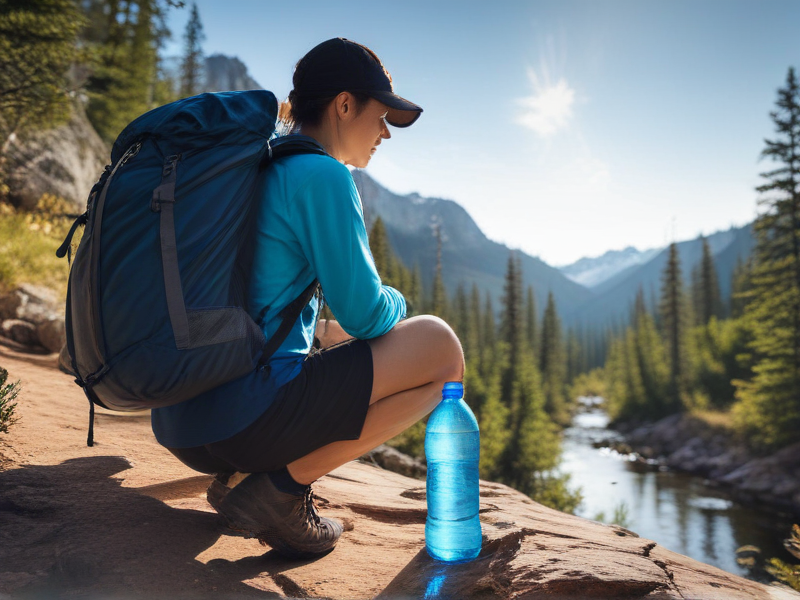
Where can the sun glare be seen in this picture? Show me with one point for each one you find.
(549, 108)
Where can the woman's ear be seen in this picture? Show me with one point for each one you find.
(344, 106)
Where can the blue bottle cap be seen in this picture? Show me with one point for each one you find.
(453, 389)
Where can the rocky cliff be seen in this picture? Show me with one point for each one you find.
(64, 161)
(125, 519)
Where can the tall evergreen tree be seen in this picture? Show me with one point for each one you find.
(415, 292)
(531, 330)
(533, 441)
(192, 63)
(651, 363)
(462, 322)
(769, 404)
(696, 295)
(439, 300)
(488, 327)
(673, 309)
(741, 286)
(511, 317)
(476, 315)
(38, 44)
(574, 356)
(379, 247)
(482, 391)
(552, 364)
(124, 37)
(711, 300)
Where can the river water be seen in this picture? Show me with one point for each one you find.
(680, 512)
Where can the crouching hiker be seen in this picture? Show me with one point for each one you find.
(375, 375)
(202, 302)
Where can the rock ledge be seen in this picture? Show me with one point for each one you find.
(86, 522)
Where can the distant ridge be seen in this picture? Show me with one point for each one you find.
(614, 297)
(469, 256)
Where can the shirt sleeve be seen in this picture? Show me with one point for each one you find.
(328, 220)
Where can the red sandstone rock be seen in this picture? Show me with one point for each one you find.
(125, 519)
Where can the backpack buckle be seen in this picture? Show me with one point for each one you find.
(165, 192)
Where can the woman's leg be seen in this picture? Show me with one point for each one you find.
(411, 364)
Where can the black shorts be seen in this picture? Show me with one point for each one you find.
(327, 402)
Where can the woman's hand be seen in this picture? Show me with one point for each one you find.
(329, 333)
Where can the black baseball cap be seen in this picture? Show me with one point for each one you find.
(339, 65)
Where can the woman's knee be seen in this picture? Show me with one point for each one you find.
(437, 333)
(418, 351)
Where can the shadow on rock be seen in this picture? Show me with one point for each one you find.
(72, 529)
(485, 577)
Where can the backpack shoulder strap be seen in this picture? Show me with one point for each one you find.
(289, 145)
(288, 317)
(279, 147)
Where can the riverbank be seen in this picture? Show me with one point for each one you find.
(689, 444)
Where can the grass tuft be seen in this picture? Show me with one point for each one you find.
(28, 243)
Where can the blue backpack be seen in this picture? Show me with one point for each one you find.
(156, 304)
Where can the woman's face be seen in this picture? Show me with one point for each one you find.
(362, 133)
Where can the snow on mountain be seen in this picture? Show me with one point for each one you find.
(593, 271)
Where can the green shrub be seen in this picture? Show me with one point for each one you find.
(789, 574)
(8, 393)
(620, 517)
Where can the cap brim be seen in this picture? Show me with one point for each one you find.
(402, 113)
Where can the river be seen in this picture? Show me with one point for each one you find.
(679, 512)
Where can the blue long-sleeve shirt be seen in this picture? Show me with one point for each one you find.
(310, 225)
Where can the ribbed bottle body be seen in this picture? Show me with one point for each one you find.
(452, 450)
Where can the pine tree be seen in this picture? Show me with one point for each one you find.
(476, 318)
(533, 443)
(439, 299)
(531, 330)
(741, 286)
(38, 43)
(379, 247)
(463, 323)
(696, 295)
(415, 292)
(574, 356)
(511, 327)
(488, 332)
(552, 364)
(482, 391)
(124, 38)
(673, 309)
(710, 304)
(769, 404)
(192, 64)
(651, 363)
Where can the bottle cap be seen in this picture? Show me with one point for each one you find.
(453, 389)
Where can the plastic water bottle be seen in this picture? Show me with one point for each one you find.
(452, 449)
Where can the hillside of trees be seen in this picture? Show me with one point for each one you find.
(743, 360)
(519, 370)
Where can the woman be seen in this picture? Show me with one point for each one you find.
(375, 375)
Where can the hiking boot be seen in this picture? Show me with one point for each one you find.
(289, 523)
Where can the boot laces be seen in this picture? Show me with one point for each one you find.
(310, 508)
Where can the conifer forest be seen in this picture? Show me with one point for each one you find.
(692, 351)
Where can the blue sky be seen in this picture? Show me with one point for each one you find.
(565, 128)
